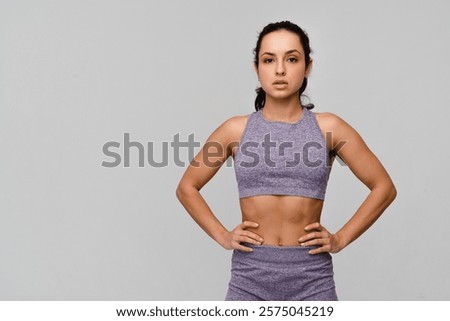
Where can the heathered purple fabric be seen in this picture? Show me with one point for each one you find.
(279, 158)
(281, 273)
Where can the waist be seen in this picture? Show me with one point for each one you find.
(280, 237)
(282, 219)
(276, 256)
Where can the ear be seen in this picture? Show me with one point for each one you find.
(308, 68)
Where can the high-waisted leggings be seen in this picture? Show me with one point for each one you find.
(281, 273)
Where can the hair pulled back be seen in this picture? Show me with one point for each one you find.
(304, 40)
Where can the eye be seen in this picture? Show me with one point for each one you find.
(293, 59)
(267, 60)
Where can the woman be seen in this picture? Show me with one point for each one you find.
(283, 154)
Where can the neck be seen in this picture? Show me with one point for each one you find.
(287, 110)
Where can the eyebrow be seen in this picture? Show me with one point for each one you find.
(286, 53)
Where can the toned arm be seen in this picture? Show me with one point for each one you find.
(214, 153)
(216, 150)
(369, 170)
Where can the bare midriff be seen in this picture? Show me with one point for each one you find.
(281, 218)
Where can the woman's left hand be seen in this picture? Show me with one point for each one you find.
(320, 236)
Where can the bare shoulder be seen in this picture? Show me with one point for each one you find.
(341, 137)
(237, 122)
(228, 133)
(330, 122)
(233, 127)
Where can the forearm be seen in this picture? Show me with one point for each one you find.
(379, 198)
(198, 209)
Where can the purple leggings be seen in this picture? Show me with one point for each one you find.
(280, 273)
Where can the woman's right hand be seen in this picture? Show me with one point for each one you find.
(231, 239)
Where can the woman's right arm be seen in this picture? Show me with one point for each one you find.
(216, 150)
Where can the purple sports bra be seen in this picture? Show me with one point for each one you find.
(279, 158)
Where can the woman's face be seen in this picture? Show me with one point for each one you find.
(281, 67)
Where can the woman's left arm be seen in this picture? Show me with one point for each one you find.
(352, 149)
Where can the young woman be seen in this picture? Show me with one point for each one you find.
(283, 154)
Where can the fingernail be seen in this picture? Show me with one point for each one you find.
(302, 244)
(309, 252)
(261, 239)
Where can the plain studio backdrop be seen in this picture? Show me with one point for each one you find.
(76, 75)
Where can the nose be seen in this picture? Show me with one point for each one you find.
(280, 71)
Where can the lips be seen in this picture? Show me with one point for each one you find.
(280, 82)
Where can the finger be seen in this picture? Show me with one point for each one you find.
(252, 235)
(248, 239)
(246, 224)
(243, 248)
(313, 235)
(322, 242)
(313, 226)
(322, 249)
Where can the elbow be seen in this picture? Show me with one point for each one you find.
(387, 192)
(182, 191)
(391, 193)
(179, 192)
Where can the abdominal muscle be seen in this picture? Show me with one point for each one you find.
(281, 218)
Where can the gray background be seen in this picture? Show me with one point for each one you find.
(75, 75)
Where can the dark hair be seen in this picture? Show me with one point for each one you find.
(304, 40)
